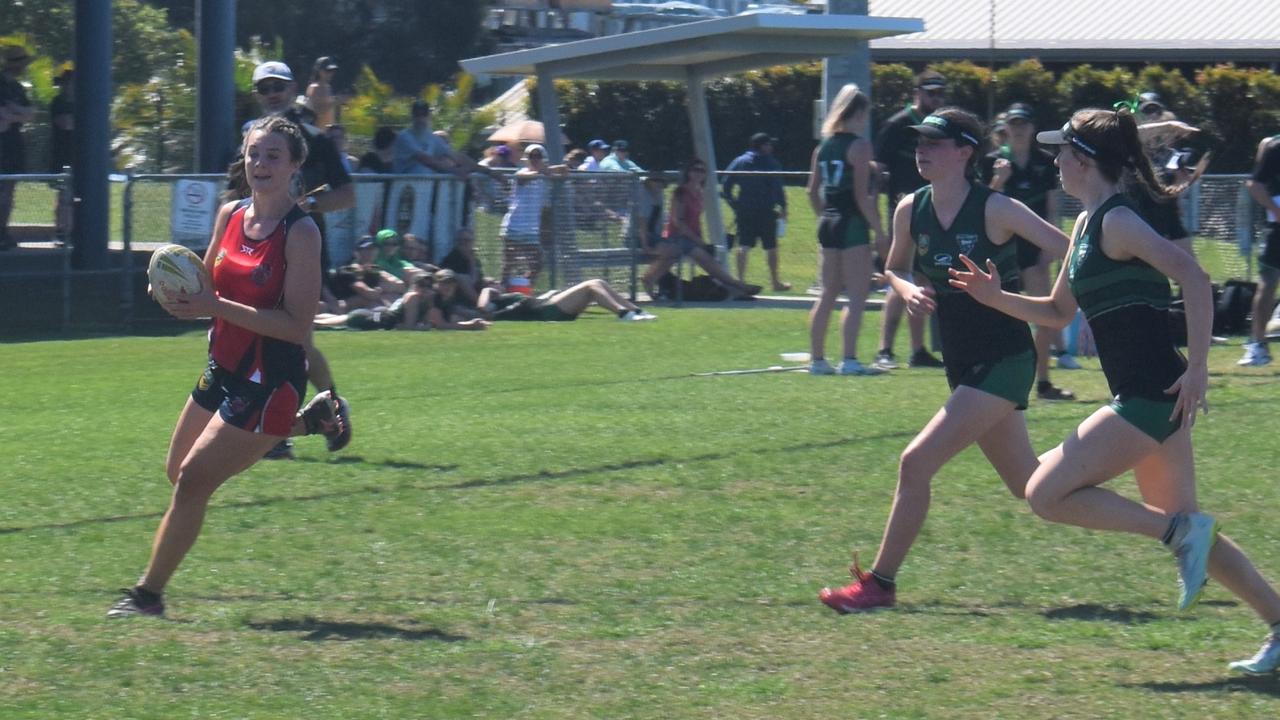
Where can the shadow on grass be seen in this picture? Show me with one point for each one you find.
(342, 460)
(468, 484)
(1261, 684)
(320, 630)
(1089, 611)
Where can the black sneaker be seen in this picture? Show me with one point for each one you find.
(922, 359)
(329, 417)
(137, 602)
(282, 451)
(1049, 391)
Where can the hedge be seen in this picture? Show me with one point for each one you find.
(1237, 106)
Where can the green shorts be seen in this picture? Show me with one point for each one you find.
(1149, 416)
(1009, 377)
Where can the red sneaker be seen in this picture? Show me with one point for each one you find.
(863, 594)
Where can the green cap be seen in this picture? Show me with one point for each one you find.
(386, 235)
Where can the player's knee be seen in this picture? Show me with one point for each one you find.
(1042, 500)
(192, 485)
(915, 469)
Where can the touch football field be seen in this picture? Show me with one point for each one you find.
(562, 521)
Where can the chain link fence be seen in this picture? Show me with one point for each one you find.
(586, 227)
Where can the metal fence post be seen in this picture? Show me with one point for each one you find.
(126, 222)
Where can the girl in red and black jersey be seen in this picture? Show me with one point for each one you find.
(264, 258)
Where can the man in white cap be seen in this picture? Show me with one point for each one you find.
(326, 187)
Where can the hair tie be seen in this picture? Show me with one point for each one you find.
(1131, 105)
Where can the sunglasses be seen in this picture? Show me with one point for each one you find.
(933, 93)
(275, 87)
(535, 156)
(697, 169)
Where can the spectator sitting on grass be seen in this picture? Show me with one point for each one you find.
(406, 313)
(415, 251)
(447, 309)
(390, 257)
(363, 284)
(561, 306)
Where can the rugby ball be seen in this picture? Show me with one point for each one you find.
(175, 269)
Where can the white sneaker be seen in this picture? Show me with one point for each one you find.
(850, 366)
(644, 316)
(821, 367)
(1266, 661)
(1255, 355)
(1067, 361)
(630, 316)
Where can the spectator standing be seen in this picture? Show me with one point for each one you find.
(619, 160)
(320, 97)
(599, 150)
(757, 205)
(325, 187)
(1160, 131)
(378, 160)
(15, 110)
(62, 144)
(896, 153)
(1264, 188)
(1027, 174)
(649, 213)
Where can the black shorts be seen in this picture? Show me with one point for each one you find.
(755, 227)
(258, 408)
(839, 231)
(1270, 255)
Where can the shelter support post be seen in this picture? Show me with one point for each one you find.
(704, 149)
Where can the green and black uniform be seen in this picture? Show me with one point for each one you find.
(981, 346)
(842, 224)
(1127, 306)
(516, 306)
(1267, 172)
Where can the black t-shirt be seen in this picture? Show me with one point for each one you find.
(12, 153)
(1031, 184)
(61, 147)
(1267, 169)
(323, 166)
(896, 149)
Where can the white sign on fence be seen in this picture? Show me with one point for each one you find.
(193, 206)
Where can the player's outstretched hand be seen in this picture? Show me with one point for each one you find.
(982, 286)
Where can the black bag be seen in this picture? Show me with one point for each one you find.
(1231, 312)
(703, 289)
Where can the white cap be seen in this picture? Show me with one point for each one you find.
(534, 147)
(272, 69)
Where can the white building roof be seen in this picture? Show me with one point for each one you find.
(1107, 30)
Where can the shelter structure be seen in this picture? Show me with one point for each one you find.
(692, 53)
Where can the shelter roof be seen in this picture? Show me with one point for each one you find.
(711, 48)
(1127, 30)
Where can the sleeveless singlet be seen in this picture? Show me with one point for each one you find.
(837, 176)
(971, 332)
(251, 272)
(1127, 306)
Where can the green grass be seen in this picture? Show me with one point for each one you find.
(560, 521)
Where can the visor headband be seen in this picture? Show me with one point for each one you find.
(1077, 142)
(953, 131)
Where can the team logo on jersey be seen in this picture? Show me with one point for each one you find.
(218, 260)
(246, 249)
(1077, 257)
(966, 243)
(942, 260)
(261, 274)
(922, 245)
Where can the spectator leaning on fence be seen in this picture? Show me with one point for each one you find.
(619, 159)
(378, 160)
(758, 204)
(1264, 188)
(599, 150)
(521, 227)
(15, 110)
(418, 150)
